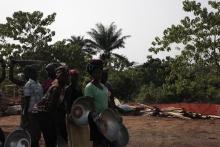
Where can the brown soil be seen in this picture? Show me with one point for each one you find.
(158, 132)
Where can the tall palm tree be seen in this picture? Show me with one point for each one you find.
(84, 44)
(106, 39)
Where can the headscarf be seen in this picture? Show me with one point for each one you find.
(94, 64)
(62, 71)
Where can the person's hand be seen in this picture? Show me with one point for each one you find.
(69, 119)
(35, 109)
(96, 116)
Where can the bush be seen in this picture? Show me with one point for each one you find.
(152, 94)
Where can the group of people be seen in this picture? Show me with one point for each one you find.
(46, 106)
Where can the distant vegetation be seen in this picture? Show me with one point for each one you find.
(194, 75)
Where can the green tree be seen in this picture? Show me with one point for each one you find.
(155, 71)
(26, 35)
(72, 55)
(120, 62)
(84, 44)
(198, 36)
(105, 40)
(192, 73)
(124, 83)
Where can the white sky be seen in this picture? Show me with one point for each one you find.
(142, 19)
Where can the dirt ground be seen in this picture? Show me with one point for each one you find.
(158, 132)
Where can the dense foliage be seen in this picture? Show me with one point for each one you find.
(26, 35)
(194, 75)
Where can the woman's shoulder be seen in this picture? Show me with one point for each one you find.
(103, 86)
(27, 84)
(89, 85)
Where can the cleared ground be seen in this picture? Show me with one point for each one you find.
(158, 132)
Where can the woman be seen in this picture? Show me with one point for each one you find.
(96, 90)
(51, 110)
(77, 136)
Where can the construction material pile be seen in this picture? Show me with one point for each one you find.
(174, 112)
(148, 110)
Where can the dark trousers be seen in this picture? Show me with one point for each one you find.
(48, 128)
(34, 129)
(2, 138)
(60, 123)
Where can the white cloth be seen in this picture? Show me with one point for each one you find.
(34, 90)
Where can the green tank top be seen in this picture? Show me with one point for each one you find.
(100, 96)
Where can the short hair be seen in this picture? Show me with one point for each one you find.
(94, 64)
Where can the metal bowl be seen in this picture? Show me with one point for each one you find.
(18, 138)
(80, 110)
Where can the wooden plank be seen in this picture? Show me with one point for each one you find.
(178, 115)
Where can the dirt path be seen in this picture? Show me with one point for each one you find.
(159, 132)
(170, 132)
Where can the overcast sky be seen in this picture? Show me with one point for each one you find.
(142, 19)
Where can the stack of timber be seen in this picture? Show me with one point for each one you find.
(175, 113)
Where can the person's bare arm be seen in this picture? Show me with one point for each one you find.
(25, 104)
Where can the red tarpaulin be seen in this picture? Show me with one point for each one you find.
(206, 109)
